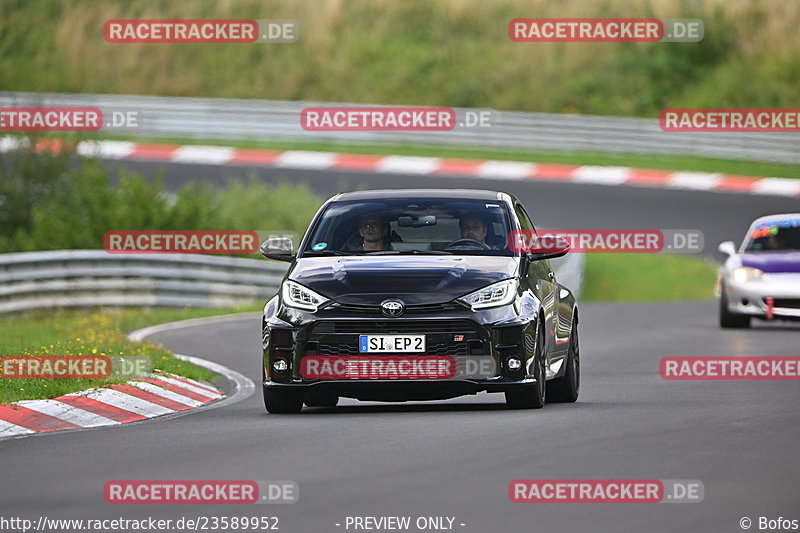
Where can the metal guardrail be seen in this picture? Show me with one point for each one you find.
(264, 120)
(87, 278)
(81, 278)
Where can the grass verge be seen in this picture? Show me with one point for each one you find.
(647, 278)
(89, 332)
(415, 52)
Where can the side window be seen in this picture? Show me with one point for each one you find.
(524, 222)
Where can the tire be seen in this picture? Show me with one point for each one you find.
(320, 399)
(565, 389)
(532, 397)
(728, 319)
(282, 402)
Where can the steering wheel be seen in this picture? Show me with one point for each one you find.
(461, 242)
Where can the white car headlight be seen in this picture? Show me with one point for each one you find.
(745, 274)
(296, 295)
(494, 295)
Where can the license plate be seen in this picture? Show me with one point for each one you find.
(391, 343)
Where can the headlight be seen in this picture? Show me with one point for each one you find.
(744, 274)
(495, 295)
(295, 295)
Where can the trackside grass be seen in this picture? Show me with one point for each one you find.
(647, 278)
(89, 332)
(415, 52)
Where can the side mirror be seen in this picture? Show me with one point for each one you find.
(279, 248)
(548, 247)
(727, 248)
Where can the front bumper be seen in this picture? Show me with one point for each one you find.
(493, 335)
(750, 298)
(406, 390)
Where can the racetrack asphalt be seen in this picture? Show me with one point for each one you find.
(457, 457)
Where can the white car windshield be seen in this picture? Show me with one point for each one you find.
(774, 235)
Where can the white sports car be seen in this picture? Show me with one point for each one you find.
(762, 279)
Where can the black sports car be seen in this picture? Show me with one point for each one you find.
(399, 295)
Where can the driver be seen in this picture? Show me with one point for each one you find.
(473, 227)
(774, 242)
(374, 229)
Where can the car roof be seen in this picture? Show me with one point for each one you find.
(771, 218)
(380, 194)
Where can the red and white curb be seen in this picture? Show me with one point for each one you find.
(140, 399)
(433, 166)
(156, 396)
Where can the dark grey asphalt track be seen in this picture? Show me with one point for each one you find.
(456, 458)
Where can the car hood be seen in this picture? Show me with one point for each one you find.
(417, 280)
(773, 261)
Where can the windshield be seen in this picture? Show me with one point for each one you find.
(774, 235)
(411, 226)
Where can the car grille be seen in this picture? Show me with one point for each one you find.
(366, 327)
(791, 303)
(340, 337)
(409, 310)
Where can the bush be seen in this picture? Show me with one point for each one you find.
(50, 203)
(27, 178)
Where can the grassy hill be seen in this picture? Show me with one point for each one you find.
(444, 52)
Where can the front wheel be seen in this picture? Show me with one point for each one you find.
(565, 389)
(532, 397)
(320, 399)
(282, 402)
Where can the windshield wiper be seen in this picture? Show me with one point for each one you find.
(409, 252)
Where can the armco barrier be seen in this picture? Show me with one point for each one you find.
(80, 278)
(85, 278)
(265, 120)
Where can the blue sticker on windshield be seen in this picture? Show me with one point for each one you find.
(319, 246)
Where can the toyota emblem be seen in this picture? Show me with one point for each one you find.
(392, 308)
